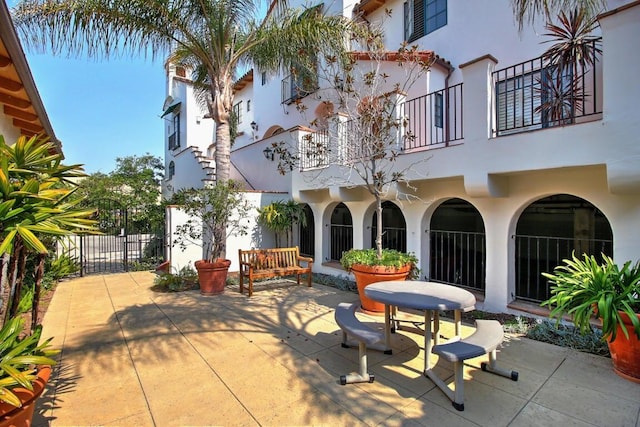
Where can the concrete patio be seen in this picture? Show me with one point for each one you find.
(134, 357)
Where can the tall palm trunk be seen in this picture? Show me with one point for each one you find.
(223, 98)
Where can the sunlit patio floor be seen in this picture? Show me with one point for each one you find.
(134, 357)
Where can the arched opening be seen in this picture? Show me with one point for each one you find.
(341, 232)
(306, 233)
(550, 230)
(172, 169)
(273, 130)
(457, 245)
(394, 228)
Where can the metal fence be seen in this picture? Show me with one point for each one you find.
(128, 241)
(458, 258)
(435, 118)
(341, 240)
(541, 254)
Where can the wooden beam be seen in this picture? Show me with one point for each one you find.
(27, 126)
(5, 98)
(20, 114)
(9, 84)
(4, 61)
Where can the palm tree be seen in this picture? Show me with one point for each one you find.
(529, 10)
(214, 38)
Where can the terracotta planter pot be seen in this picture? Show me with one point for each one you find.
(625, 353)
(365, 275)
(12, 416)
(212, 276)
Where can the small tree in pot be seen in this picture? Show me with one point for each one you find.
(361, 138)
(206, 208)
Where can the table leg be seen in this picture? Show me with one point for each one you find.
(427, 340)
(436, 327)
(457, 316)
(387, 329)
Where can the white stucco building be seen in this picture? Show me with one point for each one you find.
(503, 193)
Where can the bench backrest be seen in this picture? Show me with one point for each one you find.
(264, 259)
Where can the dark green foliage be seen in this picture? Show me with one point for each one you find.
(184, 279)
(569, 336)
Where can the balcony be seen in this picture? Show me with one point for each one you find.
(536, 95)
(434, 120)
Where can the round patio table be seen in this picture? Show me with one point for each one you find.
(430, 297)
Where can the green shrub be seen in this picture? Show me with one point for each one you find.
(569, 336)
(184, 279)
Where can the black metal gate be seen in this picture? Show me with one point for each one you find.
(129, 240)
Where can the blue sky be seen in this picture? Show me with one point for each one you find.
(102, 110)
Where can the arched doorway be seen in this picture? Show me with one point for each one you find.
(394, 228)
(341, 238)
(306, 233)
(457, 245)
(550, 230)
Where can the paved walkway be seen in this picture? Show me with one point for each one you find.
(133, 357)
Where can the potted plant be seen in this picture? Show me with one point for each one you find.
(206, 208)
(25, 367)
(585, 289)
(368, 266)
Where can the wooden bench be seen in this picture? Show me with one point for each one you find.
(345, 316)
(277, 262)
(486, 338)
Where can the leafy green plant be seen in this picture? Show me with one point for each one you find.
(584, 289)
(18, 358)
(569, 336)
(36, 205)
(26, 301)
(62, 266)
(280, 216)
(183, 280)
(387, 258)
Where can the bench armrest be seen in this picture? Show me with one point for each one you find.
(306, 259)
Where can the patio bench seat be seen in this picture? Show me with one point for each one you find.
(275, 262)
(486, 338)
(345, 316)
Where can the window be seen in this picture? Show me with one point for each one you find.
(248, 105)
(436, 15)
(172, 169)
(298, 85)
(422, 17)
(438, 109)
(264, 78)
(174, 137)
(517, 101)
(237, 112)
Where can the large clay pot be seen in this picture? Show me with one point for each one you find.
(625, 353)
(18, 417)
(365, 275)
(212, 275)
